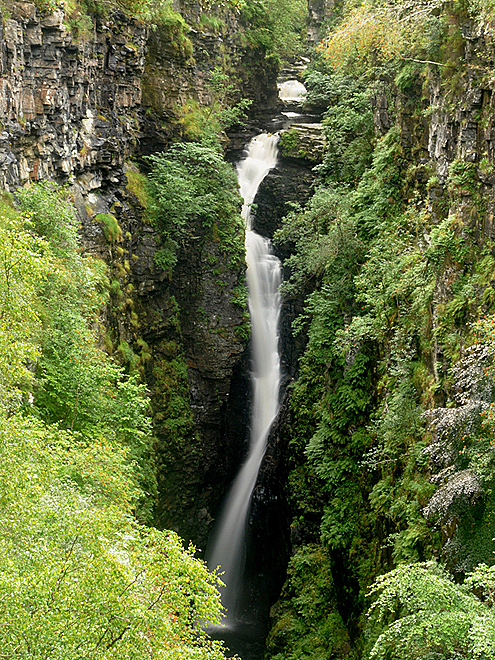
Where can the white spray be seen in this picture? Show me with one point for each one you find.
(291, 90)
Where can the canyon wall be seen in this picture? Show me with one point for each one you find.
(382, 470)
(82, 109)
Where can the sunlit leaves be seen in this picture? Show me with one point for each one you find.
(373, 33)
(25, 262)
(419, 612)
(366, 32)
(77, 575)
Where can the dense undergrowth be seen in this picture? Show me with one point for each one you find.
(195, 207)
(81, 573)
(391, 452)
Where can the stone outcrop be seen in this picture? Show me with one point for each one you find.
(320, 11)
(59, 99)
(303, 142)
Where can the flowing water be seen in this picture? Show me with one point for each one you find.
(227, 546)
(291, 90)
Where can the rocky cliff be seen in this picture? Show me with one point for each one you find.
(77, 109)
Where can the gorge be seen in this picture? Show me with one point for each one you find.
(142, 407)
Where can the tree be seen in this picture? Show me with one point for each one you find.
(25, 262)
(372, 33)
(195, 194)
(419, 612)
(79, 577)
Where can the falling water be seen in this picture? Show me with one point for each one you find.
(291, 90)
(263, 275)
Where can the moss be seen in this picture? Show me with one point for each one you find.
(7, 206)
(137, 184)
(134, 320)
(121, 271)
(128, 357)
(212, 23)
(172, 29)
(307, 624)
(111, 227)
(115, 288)
(289, 141)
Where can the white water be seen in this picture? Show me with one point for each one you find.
(264, 275)
(291, 90)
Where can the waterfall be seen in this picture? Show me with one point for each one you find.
(263, 275)
(291, 90)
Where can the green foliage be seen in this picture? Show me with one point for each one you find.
(462, 177)
(205, 122)
(77, 385)
(484, 10)
(111, 227)
(348, 125)
(308, 626)
(419, 612)
(162, 15)
(462, 445)
(290, 144)
(398, 457)
(213, 23)
(79, 574)
(275, 26)
(195, 193)
(25, 264)
(159, 14)
(138, 185)
(373, 34)
(240, 295)
(52, 215)
(391, 429)
(166, 256)
(379, 192)
(46, 6)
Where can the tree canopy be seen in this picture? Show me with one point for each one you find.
(80, 574)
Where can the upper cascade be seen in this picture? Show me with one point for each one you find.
(260, 159)
(291, 90)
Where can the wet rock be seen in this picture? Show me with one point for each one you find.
(304, 142)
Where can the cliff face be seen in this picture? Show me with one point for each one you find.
(60, 99)
(76, 110)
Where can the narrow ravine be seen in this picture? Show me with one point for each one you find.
(227, 544)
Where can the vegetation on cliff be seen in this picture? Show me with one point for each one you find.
(80, 572)
(194, 193)
(391, 451)
(276, 26)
